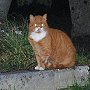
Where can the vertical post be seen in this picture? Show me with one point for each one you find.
(4, 8)
(80, 14)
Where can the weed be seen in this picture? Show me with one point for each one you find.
(16, 52)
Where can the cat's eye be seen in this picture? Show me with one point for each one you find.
(42, 25)
(35, 25)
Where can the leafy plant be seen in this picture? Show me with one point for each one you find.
(16, 52)
(77, 87)
(83, 59)
(21, 2)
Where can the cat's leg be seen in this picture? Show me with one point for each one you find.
(46, 61)
(45, 55)
(43, 62)
(69, 61)
(40, 66)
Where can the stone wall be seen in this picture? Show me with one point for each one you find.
(4, 7)
(44, 80)
(80, 14)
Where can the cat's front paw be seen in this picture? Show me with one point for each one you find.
(39, 68)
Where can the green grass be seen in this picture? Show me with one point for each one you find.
(78, 87)
(15, 51)
(83, 59)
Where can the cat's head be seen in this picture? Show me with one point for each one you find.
(38, 23)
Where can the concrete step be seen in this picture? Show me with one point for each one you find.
(44, 80)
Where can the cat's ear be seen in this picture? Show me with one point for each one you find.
(45, 17)
(31, 17)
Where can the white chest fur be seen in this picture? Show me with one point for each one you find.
(38, 36)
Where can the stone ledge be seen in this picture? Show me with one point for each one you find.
(44, 80)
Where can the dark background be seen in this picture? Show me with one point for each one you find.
(59, 16)
(58, 13)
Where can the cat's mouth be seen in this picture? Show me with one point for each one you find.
(38, 35)
(38, 30)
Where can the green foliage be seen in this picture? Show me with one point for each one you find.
(21, 2)
(16, 52)
(78, 87)
(83, 59)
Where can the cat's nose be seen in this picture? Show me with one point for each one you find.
(39, 28)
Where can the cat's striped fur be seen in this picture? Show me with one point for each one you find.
(52, 47)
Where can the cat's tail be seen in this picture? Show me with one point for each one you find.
(64, 65)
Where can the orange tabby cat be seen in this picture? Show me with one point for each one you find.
(52, 47)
